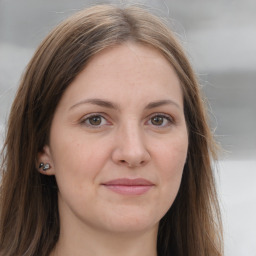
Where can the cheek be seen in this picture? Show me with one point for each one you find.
(171, 160)
(76, 165)
(172, 154)
(78, 158)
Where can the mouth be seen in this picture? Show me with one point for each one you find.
(129, 186)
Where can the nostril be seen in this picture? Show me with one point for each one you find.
(134, 164)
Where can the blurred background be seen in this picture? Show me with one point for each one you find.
(220, 40)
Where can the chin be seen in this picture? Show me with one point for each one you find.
(133, 222)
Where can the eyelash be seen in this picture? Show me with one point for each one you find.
(90, 116)
(168, 118)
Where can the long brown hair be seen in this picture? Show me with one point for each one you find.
(29, 220)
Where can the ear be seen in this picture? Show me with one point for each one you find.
(45, 157)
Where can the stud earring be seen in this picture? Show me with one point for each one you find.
(45, 166)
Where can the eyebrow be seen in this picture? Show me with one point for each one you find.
(98, 102)
(111, 105)
(159, 103)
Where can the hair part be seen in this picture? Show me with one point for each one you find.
(29, 220)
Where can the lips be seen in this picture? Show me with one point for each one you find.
(129, 186)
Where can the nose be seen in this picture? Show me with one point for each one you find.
(130, 149)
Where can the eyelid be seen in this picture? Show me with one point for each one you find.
(87, 116)
(83, 120)
(169, 118)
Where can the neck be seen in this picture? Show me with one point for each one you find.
(79, 239)
(103, 243)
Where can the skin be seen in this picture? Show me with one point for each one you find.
(129, 137)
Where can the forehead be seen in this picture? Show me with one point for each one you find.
(129, 70)
(122, 55)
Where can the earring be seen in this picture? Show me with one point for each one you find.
(45, 166)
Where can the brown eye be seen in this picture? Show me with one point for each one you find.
(95, 121)
(157, 120)
(160, 120)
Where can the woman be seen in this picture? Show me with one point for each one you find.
(108, 151)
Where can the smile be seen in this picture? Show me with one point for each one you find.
(129, 186)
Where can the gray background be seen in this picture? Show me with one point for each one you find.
(220, 40)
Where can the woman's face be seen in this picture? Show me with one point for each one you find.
(118, 141)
